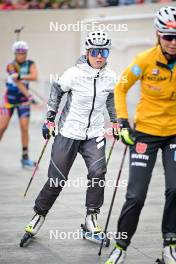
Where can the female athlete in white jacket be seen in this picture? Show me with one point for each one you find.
(89, 86)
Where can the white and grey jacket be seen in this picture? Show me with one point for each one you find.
(89, 92)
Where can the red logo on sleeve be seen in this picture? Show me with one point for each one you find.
(141, 147)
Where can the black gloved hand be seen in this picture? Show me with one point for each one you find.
(48, 128)
(126, 133)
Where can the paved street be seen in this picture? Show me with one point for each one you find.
(68, 212)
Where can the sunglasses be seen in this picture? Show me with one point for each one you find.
(21, 51)
(168, 37)
(103, 52)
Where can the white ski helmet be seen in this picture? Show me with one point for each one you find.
(165, 20)
(97, 39)
(20, 47)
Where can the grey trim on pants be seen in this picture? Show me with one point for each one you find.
(64, 152)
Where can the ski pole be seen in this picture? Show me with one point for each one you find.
(113, 198)
(18, 31)
(110, 151)
(36, 167)
(39, 96)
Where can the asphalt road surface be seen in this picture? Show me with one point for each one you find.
(59, 239)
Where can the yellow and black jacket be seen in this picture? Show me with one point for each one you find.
(156, 110)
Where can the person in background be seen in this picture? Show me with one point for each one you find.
(17, 96)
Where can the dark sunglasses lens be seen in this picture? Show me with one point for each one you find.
(94, 52)
(104, 53)
(169, 37)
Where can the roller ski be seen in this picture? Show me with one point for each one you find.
(28, 163)
(160, 261)
(92, 231)
(169, 255)
(117, 256)
(25, 239)
(32, 229)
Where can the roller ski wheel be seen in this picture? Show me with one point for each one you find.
(160, 261)
(95, 237)
(25, 239)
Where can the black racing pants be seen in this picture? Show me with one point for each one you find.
(142, 160)
(64, 152)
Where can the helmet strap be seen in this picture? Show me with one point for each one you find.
(171, 58)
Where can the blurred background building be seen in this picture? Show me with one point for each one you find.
(55, 31)
(62, 4)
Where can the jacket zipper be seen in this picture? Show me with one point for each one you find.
(165, 66)
(171, 75)
(93, 104)
(173, 94)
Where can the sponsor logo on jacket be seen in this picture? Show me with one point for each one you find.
(156, 78)
(155, 71)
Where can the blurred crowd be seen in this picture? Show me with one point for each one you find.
(60, 4)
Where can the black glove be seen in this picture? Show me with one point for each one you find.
(126, 133)
(48, 128)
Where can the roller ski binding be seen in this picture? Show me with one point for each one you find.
(117, 256)
(93, 232)
(160, 261)
(169, 255)
(31, 229)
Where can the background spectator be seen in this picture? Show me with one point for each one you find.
(6, 5)
(22, 4)
(60, 4)
(44, 4)
(33, 4)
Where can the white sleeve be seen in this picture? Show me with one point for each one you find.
(66, 80)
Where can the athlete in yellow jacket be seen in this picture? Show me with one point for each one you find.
(155, 128)
(156, 110)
